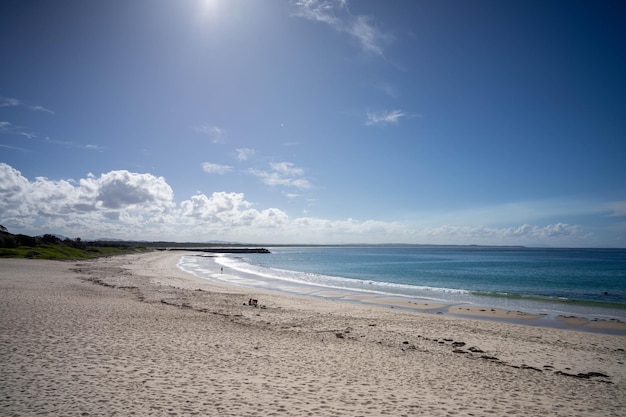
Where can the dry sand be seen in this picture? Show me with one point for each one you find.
(134, 335)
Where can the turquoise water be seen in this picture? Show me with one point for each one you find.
(587, 282)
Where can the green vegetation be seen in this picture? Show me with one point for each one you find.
(62, 252)
(52, 247)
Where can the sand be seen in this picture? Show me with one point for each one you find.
(135, 335)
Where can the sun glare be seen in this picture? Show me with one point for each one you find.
(209, 7)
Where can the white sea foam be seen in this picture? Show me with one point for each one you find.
(280, 277)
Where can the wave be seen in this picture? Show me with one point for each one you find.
(551, 299)
(339, 283)
(251, 275)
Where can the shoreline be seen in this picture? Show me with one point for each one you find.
(419, 305)
(135, 334)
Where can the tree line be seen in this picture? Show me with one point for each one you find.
(9, 240)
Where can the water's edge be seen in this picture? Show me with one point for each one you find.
(219, 269)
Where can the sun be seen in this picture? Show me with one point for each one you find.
(209, 6)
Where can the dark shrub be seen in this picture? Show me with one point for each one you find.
(23, 240)
(49, 239)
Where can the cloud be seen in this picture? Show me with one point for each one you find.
(11, 129)
(137, 198)
(123, 189)
(319, 10)
(335, 13)
(226, 211)
(215, 133)
(243, 154)
(12, 183)
(68, 144)
(385, 117)
(130, 205)
(286, 168)
(370, 38)
(13, 148)
(9, 102)
(219, 206)
(41, 108)
(92, 147)
(521, 234)
(127, 205)
(211, 168)
(284, 174)
(617, 208)
(13, 102)
(7, 127)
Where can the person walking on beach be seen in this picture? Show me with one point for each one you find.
(221, 270)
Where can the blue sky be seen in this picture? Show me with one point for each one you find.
(315, 121)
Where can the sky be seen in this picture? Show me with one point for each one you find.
(481, 122)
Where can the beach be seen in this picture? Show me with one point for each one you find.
(135, 335)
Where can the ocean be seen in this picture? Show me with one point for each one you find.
(589, 283)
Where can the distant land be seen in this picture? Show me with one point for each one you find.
(8, 240)
(51, 246)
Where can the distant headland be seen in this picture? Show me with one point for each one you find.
(221, 250)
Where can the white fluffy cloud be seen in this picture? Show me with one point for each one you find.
(13, 189)
(127, 205)
(123, 189)
(230, 210)
(115, 195)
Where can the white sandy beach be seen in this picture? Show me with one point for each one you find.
(135, 335)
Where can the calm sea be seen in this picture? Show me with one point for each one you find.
(584, 282)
